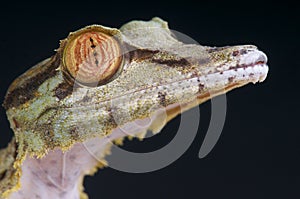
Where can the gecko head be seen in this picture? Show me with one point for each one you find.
(103, 78)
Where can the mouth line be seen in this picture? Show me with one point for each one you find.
(261, 64)
(254, 72)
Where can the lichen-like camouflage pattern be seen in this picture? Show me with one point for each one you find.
(52, 115)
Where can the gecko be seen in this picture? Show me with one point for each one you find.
(100, 81)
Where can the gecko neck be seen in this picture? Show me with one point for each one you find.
(59, 174)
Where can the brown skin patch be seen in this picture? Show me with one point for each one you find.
(74, 133)
(144, 54)
(139, 55)
(16, 123)
(2, 175)
(20, 94)
(162, 98)
(172, 62)
(63, 90)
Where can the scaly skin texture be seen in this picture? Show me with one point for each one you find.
(53, 115)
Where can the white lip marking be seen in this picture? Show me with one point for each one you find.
(254, 73)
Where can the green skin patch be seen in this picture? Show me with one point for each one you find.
(52, 113)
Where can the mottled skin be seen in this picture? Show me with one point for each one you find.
(49, 112)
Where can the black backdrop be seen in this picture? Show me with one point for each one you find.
(257, 155)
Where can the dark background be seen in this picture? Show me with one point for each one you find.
(257, 155)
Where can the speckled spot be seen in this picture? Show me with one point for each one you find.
(201, 87)
(162, 98)
(230, 79)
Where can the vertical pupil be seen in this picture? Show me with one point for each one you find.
(92, 43)
(93, 46)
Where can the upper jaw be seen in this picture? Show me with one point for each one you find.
(250, 56)
(251, 64)
(231, 67)
(244, 60)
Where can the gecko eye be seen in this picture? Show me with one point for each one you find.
(92, 57)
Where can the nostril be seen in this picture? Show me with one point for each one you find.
(235, 53)
(239, 52)
(243, 51)
(253, 57)
(262, 58)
